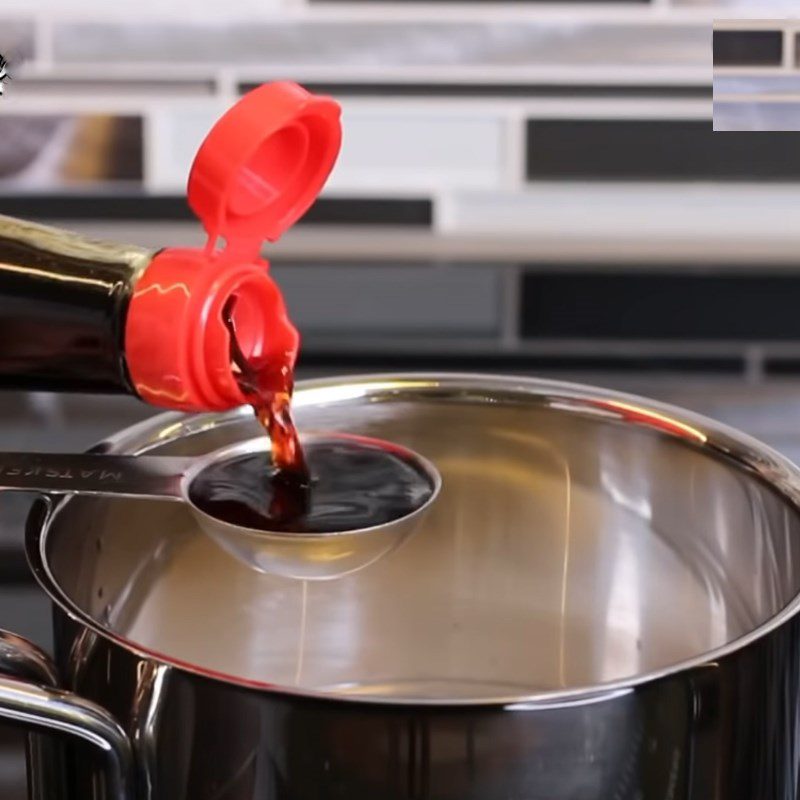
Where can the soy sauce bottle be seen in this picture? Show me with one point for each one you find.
(79, 315)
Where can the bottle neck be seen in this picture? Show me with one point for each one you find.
(184, 310)
(63, 301)
(76, 315)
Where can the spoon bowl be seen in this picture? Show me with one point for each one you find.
(309, 556)
(301, 555)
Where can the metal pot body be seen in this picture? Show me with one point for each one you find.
(678, 680)
(728, 730)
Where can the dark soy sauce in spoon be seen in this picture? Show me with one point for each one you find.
(353, 484)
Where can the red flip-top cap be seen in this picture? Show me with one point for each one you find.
(259, 169)
(264, 163)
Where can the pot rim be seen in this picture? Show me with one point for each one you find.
(747, 454)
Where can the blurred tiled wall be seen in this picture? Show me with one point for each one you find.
(488, 147)
(757, 74)
(523, 186)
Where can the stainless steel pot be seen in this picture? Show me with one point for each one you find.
(601, 603)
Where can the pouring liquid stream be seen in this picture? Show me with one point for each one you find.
(268, 389)
(337, 483)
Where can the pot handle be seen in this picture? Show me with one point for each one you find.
(28, 697)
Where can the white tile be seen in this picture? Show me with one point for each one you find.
(166, 9)
(408, 149)
(173, 137)
(654, 219)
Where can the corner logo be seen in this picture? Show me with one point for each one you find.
(4, 76)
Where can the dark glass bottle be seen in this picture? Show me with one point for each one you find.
(63, 303)
(79, 315)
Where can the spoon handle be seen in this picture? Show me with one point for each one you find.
(92, 473)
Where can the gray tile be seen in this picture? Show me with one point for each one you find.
(61, 424)
(16, 41)
(727, 85)
(382, 44)
(745, 116)
(14, 507)
(26, 610)
(13, 780)
(402, 299)
(57, 84)
(70, 422)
